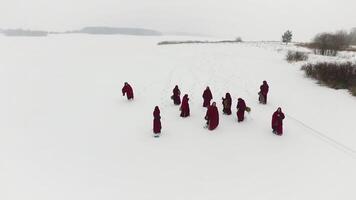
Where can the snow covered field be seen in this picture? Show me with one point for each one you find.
(67, 133)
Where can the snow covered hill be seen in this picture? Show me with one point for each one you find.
(67, 133)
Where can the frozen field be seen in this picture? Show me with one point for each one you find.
(66, 132)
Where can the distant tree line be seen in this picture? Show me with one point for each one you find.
(22, 32)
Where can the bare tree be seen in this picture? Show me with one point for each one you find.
(331, 43)
(353, 36)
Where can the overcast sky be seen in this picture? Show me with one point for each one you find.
(250, 19)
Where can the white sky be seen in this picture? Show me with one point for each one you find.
(250, 19)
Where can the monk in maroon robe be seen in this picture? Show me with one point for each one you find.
(157, 121)
(227, 101)
(212, 117)
(176, 95)
(184, 107)
(264, 88)
(207, 96)
(277, 122)
(127, 89)
(241, 108)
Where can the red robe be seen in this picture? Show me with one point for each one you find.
(227, 105)
(176, 96)
(156, 121)
(212, 117)
(264, 91)
(277, 122)
(184, 108)
(207, 96)
(241, 108)
(127, 89)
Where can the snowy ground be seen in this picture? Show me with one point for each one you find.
(67, 133)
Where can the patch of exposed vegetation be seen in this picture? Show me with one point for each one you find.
(296, 56)
(237, 40)
(334, 75)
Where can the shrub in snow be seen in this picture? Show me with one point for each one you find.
(238, 39)
(353, 90)
(295, 56)
(334, 75)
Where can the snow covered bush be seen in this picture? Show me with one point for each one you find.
(334, 75)
(295, 56)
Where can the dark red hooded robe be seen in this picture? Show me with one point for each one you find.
(157, 121)
(176, 96)
(277, 121)
(241, 108)
(127, 89)
(212, 117)
(227, 104)
(264, 88)
(207, 96)
(184, 107)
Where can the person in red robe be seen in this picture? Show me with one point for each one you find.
(241, 108)
(264, 88)
(176, 95)
(227, 101)
(277, 122)
(212, 117)
(127, 89)
(184, 107)
(207, 96)
(157, 121)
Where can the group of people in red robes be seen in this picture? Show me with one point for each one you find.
(212, 113)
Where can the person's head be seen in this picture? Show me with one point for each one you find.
(265, 82)
(176, 86)
(207, 87)
(279, 109)
(156, 108)
(125, 83)
(228, 95)
(239, 99)
(214, 104)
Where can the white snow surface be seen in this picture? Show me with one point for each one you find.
(66, 131)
